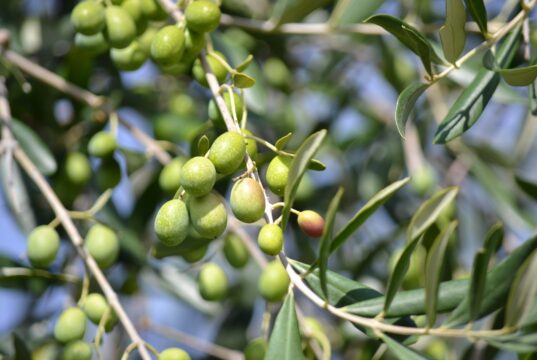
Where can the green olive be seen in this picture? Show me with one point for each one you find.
(88, 17)
(273, 282)
(208, 215)
(102, 144)
(43, 245)
(130, 58)
(171, 222)
(168, 45)
(134, 9)
(120, 28)
(77, 350)
(216, 116)
(251, 144)
(256, 349)
(198, 176)
(270, 239)
(194, 43)
(195, 255)
(277, 174)
(108, 174)
(91, 45)
(212, 282)
(95, 307)
(146, 39)
(77, 168)
(247, 200)
(218, 69)
(173, 354)
(71, 325)
(235, 251)
(153, 11)
(103, 245)
(169, 178)
(311, 223)
(202, 16)
(227, 152)
(423, 180)
(276, 72)
(182, 105)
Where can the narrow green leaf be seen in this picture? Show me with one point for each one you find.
(243, 65)
(401, 351)
(21, 350)
(518, 342)
(470, 104)
(316, 165)
(300, 162)
(243, 81)
(405, 104)
(429, 212)
(433, 267)
(324, 246)
(479, 13)
(365, 212)
(353, 11)
(281, 142)
(34, 147)
(452, 34)
(408, 36)
(522, 76)
(203, 145)
(523, 292)
(285, 11)
(285, 342)
(480, 268)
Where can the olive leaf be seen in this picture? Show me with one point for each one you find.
(203, 144)
(401, 351)
(285, 342)
(281, 142)
(405, 104)
(523, 292)
(479, 13)
(522, 76)
(353, 11)
(243, 65)
(452, 34)
(242, 80)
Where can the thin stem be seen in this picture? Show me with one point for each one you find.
(6, 272)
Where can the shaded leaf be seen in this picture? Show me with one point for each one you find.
(401, 351)
(243, 81)
(527, 186)
(300, 162)
(518, 342)
(405, 104)
(21, 350)
(203, 144)
(452, 34)
(522, 76)
(479, 13)
(281, 142)
(353, 11)
(285, 11)
(316, 165)
(285, 342)
(523, 292)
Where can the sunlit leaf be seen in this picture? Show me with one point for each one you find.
(522, 76)
(281, 142)
(452, 34)
(285, 342)
(243, 81)
(405, 104)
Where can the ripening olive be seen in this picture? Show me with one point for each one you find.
(311, 223)
(102, 144)
(92, 45)
(256, 349)
(77, 350)
(88, 17)
(277, 174)
(153, 11)
(195, 255)
(216, 116)
(198, 176)
(108, 174)
(247, 200)
(270, 239)
(212, 282)
(227, 152)
(77, 168)
(251, 144)
(103, 245)
(173, 354)
(170, 175)
(202, 16)
(120, 28)
(235, 251)
(168, 45)
(130, 58)
(273, 282)
(171, 222)
(95, 307)
(43, 245)
(216, 66)
(208, 215)
(71, 325)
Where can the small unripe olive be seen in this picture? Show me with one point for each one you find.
(212, 282)
(173, 354)
(71, 325)
(227, 152)
(77, 168)
(311, 223)
(251, 144)
(43, 245)
(202, 16)
(247, 200)
(270, 239)
(217, 68)
(152, 10)
(168, 45)
(278, 174)
(103, 245)
(88, 17)
(77, 350)
(256, 349)
(91, 44)
(235, 251)
(169, 178)
(95, 307)
(130, 58)
(194, 43)
(273, 282)
(120, 28)
(171, 222)
(195, 255)
(276, 72)
(146, 39)
(208, 215)
(216, 116)
(423, 180)
(182, 105)
(108, 174)
(102, 144)
(198, 176)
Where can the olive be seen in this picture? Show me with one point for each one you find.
(92, 45)
(212, 282)
(153, 11)
(311, 223)
(247, 200)
(216, 116)
(195, 255)
(103, 245)
(198, 176)
(208, 215)
(71, 325)
(235, 251)
(256, 349)
(274, 282)
(88, 17)
(277, 174)
(169, 178)
(102, 144)
(120, 28)
(130, 58)
(77, 350)
(95, 306)
(171, 222)
(217, 68)
(202, 16)
(173, 354)
(43, 245)
(270, 239)
(168, 45)
(227, 152)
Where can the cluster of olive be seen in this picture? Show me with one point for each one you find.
(125, 27)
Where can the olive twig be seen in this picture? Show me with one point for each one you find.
(7, 272)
